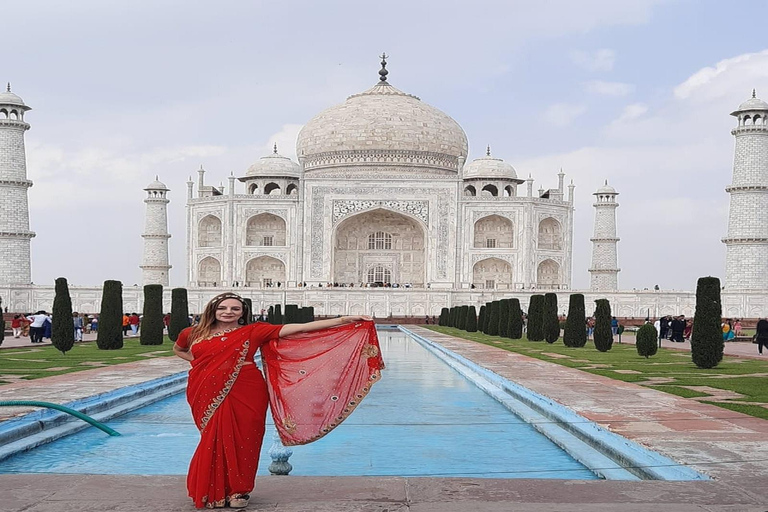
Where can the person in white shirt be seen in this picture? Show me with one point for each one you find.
(37, 326)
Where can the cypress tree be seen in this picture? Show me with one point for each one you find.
(291, 314)
(481, 318)
(575, 334)
(452, 317)
(310, 313)
(487, 319)
(535, 317)
(278, 315)
(249, 304)
(603, 334)
(110, 335)
(179, 313)
(463, 314)
(493, 320)
(62, 325)
(152, 319)
(550, 321)
(443, 317)
(504, 318)
(271, 314)
(471, 319)
(2, 328)
(647, 340)
(515, 326)
(707, 338)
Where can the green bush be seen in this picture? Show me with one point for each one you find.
(493, 320)
(463, 314)
(575, 334)
(487, 319)
(443, 317)
(278, 315)
(271, 315)
(249, 304)
(179, 313)
(2, 329)
(515, 328)
(471, 325)
(535, 317)
(647, 340)
(110, 335)
(549, 319)
(152, 318)
(603, 334)
(481, 318)
(504, 318)
(310, 313)
(62, 324)
(707, 337)
(292, 314)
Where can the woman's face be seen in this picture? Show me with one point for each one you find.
(229, 310)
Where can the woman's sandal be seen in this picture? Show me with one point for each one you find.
(239, 500)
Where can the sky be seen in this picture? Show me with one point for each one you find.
(636, 92)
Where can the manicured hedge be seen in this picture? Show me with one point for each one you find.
(110, 335)
(535, 317)
(647, 340)
(152, 318)
(603, 334)
(62, 325)
(471, 324)
(575, 334)
(707, 338)
(550, 321)
(515, 320)
(179, 313)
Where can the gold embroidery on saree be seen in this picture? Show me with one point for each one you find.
(227, 387)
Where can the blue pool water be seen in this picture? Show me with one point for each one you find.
(421, 419)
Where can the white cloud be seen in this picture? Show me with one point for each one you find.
(599, 60)
(563, 114)
(608, 88)
(706, 83)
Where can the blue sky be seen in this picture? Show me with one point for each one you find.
(637, 92)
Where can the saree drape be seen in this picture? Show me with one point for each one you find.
(315, 381)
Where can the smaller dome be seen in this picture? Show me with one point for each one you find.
(606, 189)
(274, 165)
(9, 98)
(489, 167)
(156, 185)
(753, 103)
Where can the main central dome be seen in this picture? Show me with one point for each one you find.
(382, 130)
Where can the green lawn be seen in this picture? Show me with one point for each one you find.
(38, 362)
(670, 371)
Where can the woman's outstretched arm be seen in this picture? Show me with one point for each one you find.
(289, 329)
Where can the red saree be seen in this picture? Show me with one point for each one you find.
(228, 396)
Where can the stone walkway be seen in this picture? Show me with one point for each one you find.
(731, 447)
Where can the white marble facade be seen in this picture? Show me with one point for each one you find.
(381, 194)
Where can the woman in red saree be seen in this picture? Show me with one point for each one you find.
(317, 373)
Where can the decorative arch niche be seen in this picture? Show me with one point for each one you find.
(492, 273)
(209, 272)
(264, 271)
(209, 232)
(548, 274)
(494, 231)
(550, 234)
(265, 230)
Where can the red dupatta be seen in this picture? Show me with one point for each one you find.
(316, 379)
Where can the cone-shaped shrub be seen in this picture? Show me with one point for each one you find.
(110, 336)
(464, 314)
(550, 321)
(271, 314)
(278, 314)
(249, 303)
(443, 317)
(535, 317)
(575, 334)
(471, 319)
(62, 325)
(291, 314)
(707, 337)
(647, 341)
(603, 334)
(493, 319)
(487, 318)
(310, 313)
(481, 318)
(152, 319)
(179, 313)
(455, 317)
(504, 318)
(515, 328)
(459, 321)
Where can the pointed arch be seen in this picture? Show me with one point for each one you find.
(493, 231)
(470, 191)
(490, 190)
(550, 234)
(209, 272)
(264, 271)
(548, 274)
(492, 273)
(265, 230)
(209, 232)
(272, 189)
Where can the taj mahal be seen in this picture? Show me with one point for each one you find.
(384, 214)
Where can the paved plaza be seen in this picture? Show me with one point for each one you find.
(730, 447)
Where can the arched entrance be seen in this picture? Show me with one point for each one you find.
(379, 243)
(209, 272)
(548, 274)
(492, 273)
(264, 271)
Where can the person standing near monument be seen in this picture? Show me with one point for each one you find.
(761, 335)
(36, 326)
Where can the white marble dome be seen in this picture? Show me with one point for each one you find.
(9, 98)
(274, 165)
(489, 168)
(606, 189)
(382, 126)
(156, 185)
(753, 103)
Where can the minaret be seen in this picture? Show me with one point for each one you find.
(605, 262)
(746, 253)
(15, 236)
(155, 265)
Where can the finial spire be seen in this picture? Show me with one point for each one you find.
(8, 87)
(488, 150)
(157, 177)
(383, 71)
(274, 148)
(606, 182)
(754, 93)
